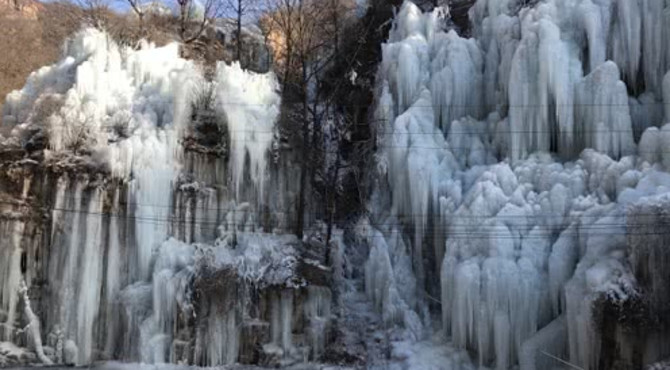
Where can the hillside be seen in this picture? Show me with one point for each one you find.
(32, 36)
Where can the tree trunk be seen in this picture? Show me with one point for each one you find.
(287, 66)
(140, 17)
(305, 155)
(331, 205)
(182, 20)
(239, 31)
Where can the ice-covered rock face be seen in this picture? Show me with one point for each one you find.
(115, 196)
(129, 109)
(508, 168)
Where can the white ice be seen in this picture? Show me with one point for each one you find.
(512, 159)
(125, 112)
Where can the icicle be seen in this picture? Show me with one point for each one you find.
(90, 279)
(380, 284)
(626, 41)
(465, 304)
(562, 262)
(67, 274)
(603, 115)
(317, 311)
(281, 320)
(10, 271)
(114, 276)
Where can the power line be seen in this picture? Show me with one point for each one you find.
(464, 132)
(480, 231)
(452, 105)
(470, 149)
(401, 216)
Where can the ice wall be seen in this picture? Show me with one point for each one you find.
(508, 165)
(113, 187)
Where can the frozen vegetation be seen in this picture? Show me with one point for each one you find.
(517, 216)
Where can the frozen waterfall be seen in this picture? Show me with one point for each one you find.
(511, 181)
(153, 183)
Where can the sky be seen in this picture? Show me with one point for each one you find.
(122, 5)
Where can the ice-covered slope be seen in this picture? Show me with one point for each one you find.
(511, 165)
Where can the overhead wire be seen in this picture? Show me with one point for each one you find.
(468, 231)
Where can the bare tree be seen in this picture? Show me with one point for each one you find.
(240, 9)
(339, 131)
(304, 36)
(343, 151)
(193, 21)
(95, 13)
(139, 8)
(294, 39)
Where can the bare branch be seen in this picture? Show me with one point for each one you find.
(191, 24)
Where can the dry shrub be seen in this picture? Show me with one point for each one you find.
(160, 29)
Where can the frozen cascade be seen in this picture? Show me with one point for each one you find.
(152, 250)
(605, 29)
(544, 132)
(250, 104)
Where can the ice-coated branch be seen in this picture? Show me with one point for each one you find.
(33, 324)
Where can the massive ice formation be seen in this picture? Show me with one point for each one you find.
(132, 187)
(516, 173)
(250, 104)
